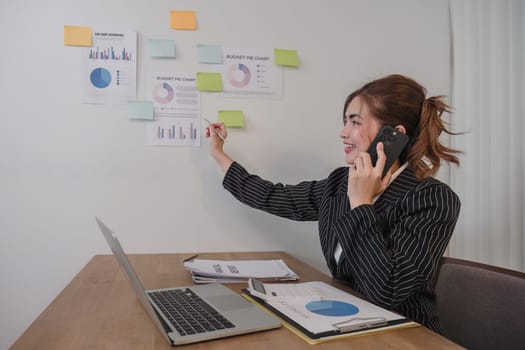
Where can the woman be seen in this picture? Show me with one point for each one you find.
(384, 236)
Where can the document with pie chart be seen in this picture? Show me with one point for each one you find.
(176, 105)
(325, 311)
(110, 67)
(175, 94)
(251, 72)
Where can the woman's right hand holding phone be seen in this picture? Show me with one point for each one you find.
(364, 179)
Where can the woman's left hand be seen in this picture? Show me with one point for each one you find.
(364, 180)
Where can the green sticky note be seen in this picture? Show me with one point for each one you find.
(140, 110)
(161, 48)
(286, 57)
(209, 81)
(232, 119)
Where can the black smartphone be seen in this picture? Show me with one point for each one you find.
(394, 142)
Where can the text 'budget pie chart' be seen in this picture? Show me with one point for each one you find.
(100, 77)
(332, 308)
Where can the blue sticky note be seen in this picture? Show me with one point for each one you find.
(209, 53)
(161, 48)
(140, 110)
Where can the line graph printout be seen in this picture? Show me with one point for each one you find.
(251, 72)
(110, 67)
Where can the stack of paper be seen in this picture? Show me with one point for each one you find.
(239, 271)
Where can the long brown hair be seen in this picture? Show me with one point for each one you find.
(398, 100)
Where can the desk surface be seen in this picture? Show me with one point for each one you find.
(98, 310)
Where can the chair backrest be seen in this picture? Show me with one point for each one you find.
(481, 306)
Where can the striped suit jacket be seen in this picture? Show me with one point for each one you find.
(390, 249)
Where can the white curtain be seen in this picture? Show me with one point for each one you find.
(488, 97)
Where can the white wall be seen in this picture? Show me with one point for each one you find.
(63, 162)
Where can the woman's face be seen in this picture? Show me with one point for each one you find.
(360, 128)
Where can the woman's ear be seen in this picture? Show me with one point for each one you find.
(401, 129)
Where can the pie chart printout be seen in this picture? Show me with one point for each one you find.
(332, 308)
(239, 75)
(100, 78)
(163, 93)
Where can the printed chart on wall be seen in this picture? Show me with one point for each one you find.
(110, 68)
(176, 103)
(251, 72)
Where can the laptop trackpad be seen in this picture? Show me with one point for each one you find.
(228, 302)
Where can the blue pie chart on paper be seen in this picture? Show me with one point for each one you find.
(332, 308)
(100, 77)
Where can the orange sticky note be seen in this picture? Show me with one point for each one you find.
(186, 20)
(77, 36)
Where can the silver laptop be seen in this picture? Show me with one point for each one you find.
(193, 313)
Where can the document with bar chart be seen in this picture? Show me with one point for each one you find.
(176, 104)
(174, 131)
(110, 67)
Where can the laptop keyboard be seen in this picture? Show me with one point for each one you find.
(188, 312)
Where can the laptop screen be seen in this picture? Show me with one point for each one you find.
(124, 263)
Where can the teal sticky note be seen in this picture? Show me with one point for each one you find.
(286, 57)
(209, 81)
(161, 48)
(232, 119)
(209, 53)
(140, 110)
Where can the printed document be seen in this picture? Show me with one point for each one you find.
(322, 309)
(231, 271)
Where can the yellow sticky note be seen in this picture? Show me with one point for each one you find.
(77, 36)
(186, 20)
(286, 57)
(232, 119)
(209, 81)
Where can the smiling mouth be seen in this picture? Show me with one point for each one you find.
(349, 147)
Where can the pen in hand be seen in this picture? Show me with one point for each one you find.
(214, 130)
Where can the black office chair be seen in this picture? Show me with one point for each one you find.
(481, 306)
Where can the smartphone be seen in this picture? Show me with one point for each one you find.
(394, 143)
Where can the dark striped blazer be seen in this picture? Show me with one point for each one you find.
(390, 249)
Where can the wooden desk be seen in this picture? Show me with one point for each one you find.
(98, 310)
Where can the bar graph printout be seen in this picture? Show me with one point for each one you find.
(174, 131)
(110, 67)
(176, 103)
